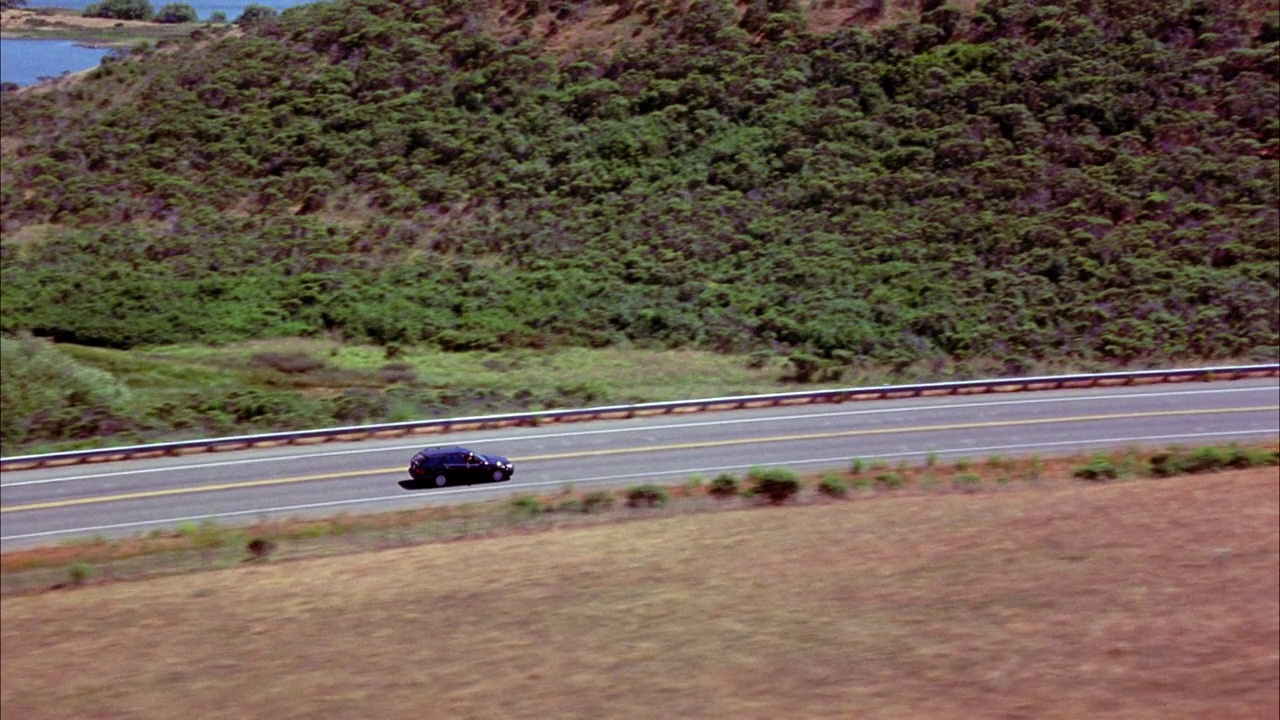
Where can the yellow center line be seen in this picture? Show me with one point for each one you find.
(644, 449)
(190, 490)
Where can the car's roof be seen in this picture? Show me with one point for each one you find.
(442, 450)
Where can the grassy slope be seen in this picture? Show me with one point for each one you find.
(521, 199)
(60, 24)
(1153, 599)
(185, 391)
(1151, 246)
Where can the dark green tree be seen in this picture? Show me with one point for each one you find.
(256, 13)
(121, 9)
(176, 13)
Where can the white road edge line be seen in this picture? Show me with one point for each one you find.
(621, 478)
(578, 433)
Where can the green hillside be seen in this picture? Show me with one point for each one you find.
(1015, 182)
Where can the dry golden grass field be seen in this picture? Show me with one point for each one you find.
(1139, 599)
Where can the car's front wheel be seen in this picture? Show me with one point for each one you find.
(499, 476)
(441, 481)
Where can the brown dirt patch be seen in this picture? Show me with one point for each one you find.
(1143, 599)
(12, 20)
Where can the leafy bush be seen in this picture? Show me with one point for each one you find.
(121, 9)
(724, 486)
(1203, 460)
(46, 395)
(890, 481)
(832, 487)
(1207, 459)
(808, 368)
(1239, 458)
(775, 485)
(254, 13)
(80, 572)
(260, 548)
(176, 13)
(647, 496)
(597, 501)
(1099, 468)
(1164, 464)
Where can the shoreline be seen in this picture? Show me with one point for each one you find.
(89, 32)
(91, 44)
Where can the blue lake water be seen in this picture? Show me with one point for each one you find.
(203, 8)
(25, 62)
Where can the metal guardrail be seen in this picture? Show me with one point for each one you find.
(387, 430)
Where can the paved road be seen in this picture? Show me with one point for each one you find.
(125, 498)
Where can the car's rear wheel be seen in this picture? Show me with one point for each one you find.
(441, 481)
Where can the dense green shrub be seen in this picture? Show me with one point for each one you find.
(723, 486)
(774, 485)
(890, 481)
(260, 548)
(1241, 457)
(1164, 464)
(597, 501)
(79, 573)
(121, 9)
(1099, 468)
(833, 487)
(1204, 459)
(647, 496)
(176, 13)
(1208, 459)
(254, 12)
(46, 395)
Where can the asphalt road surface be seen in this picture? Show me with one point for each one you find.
(125, 498)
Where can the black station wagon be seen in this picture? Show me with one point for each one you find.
(457, 465)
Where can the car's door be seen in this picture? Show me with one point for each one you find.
(455, 467)
(476, 470)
